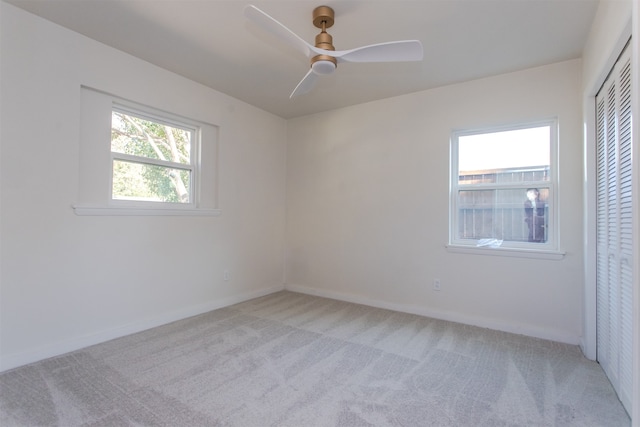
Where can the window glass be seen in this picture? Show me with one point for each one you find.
(506, 214)
(143, 182)
(147, 138)
(527, 148)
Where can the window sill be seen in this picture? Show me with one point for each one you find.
(507, 252)
(87, 210)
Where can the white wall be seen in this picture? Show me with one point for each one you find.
(367, 206)
(69, 281)
(610, 30)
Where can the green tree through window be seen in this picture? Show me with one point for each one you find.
(151, 159)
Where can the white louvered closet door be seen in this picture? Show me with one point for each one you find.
(615, 229)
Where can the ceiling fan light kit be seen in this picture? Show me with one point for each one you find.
(323, 56)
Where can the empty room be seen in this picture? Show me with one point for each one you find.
(341, 213)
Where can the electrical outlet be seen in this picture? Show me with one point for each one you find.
(437, 285)
(227, 275)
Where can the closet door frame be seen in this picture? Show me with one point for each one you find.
(604, 63)
(588, 342)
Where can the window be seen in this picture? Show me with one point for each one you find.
(503, 186)
(151, 158)
(138, 160)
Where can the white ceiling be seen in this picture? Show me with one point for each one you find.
(211, 42)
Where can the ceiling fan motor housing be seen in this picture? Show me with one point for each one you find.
(323, 18)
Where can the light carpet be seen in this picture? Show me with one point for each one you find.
(289, 359)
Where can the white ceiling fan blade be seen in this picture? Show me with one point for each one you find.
(273, 26)
(306, 84)
(398, 51)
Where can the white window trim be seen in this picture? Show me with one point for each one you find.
(96, 157)
(506, 251)
(547, 250)
(98, 210)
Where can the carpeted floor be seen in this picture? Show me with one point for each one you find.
(289, 359)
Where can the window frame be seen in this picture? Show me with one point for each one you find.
(95, 184)
(547, 249)
(193, 166)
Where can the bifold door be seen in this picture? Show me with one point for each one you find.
(614, 229)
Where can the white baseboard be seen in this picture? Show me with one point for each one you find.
(15, 360)
(528, 330)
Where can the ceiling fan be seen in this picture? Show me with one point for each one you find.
(324, 58)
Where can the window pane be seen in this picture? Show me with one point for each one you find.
(140, 137)
(517, 215)
(150, 183)
(501, 157)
